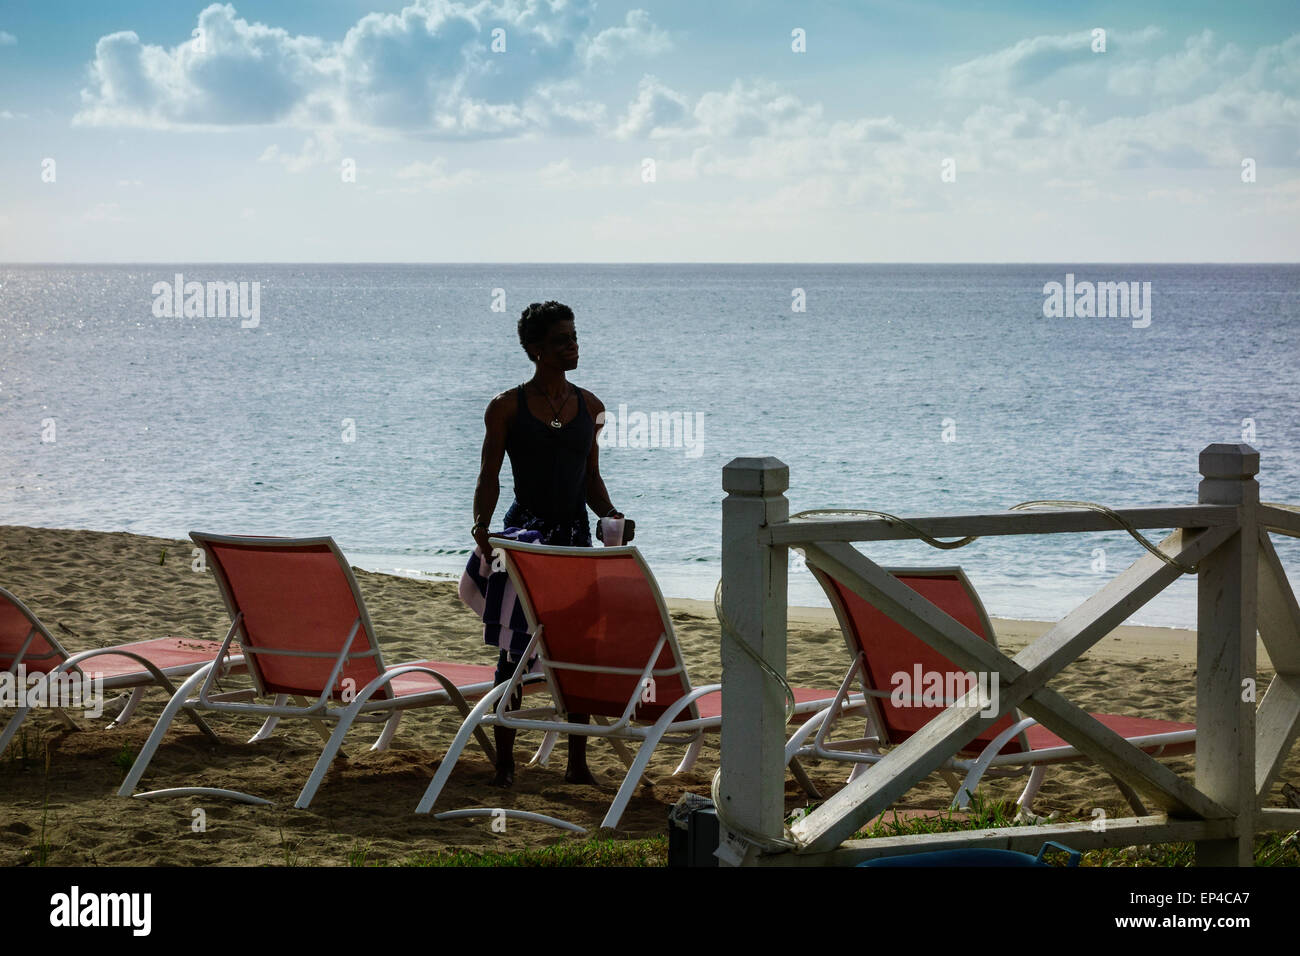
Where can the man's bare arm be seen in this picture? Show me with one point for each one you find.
(496, 422)
(597, 495)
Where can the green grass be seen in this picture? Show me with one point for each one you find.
(292, 851)
(25, 749)
(982, 815)
(124, 759)
(358, 855)
(593, 852)
(43, 849)
(41, 853)
(1274, 849)
(1271, 849)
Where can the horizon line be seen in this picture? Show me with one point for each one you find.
(752, 262)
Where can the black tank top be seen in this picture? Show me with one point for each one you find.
(550, 464)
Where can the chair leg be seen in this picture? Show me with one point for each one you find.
(620, 748)
(268, 725)
(468, 728)
(688, 761)
(544, 749)
(137, 694)
(805, 730)
(174, 706)
(1130, 795)
(11, 727)
(634, 775)
(333, 744)
(386, 735)
(805, 781)
(317, 724)
(982, 763)
(1026, 801)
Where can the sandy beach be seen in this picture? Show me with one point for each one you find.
(93, 589)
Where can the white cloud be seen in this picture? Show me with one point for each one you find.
(760, 109)
(1249, 110)
(562, 175)
(637, 37)
(7, 39)
(1019, 148)
(1277, 67)
(560, 108)
(1196, 64)
(429, 69)
(244, 74)
(558, 173)
(1217, 128)
(434, 175)
(318, 148)
(883, 129)
(1030, 61)
(656, 111)
(742, 111)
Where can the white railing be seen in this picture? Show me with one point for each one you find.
(1240, 748)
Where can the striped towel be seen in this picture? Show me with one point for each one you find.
(492, 597)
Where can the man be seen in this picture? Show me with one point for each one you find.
(548, 427)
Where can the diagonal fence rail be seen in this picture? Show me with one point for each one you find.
(1242, 589)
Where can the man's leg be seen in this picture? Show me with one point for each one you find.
(504, 737)
(577, 771)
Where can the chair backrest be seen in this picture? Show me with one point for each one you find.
(300, 603)
(599, 608)
(18, 628)
(891, 649)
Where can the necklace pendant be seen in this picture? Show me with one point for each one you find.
(555, 423)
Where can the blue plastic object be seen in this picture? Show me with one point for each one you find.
(975, 858)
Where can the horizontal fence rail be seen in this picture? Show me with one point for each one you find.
(1240, 750)
(799, 531)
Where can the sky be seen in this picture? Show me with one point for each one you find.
(576, 131)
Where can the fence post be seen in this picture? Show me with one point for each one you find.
(752, 789)
(1225, 654)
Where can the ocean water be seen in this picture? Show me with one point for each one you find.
(355, 406)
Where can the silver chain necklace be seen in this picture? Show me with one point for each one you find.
(555, 417)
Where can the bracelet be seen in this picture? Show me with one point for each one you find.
(612, 511)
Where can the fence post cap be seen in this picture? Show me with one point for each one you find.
(1229, 460)
(755, 476)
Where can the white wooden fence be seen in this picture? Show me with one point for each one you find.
(1240, 748)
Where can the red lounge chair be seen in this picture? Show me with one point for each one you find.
(27, 647)
(304, 631)
(605, 643)
(881, 648)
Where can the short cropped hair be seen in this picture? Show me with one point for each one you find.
(536, 320)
